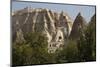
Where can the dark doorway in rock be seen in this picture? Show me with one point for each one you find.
(60, 37)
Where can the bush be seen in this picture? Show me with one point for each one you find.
(69, 53)
(32, 51)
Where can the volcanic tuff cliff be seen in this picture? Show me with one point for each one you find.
(56, 26)
(78, 25)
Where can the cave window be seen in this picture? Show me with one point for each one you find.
(50, 45)
(60, 37)
(55, 24)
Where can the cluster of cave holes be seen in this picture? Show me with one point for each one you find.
(55, 45)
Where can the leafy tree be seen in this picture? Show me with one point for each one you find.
(69, 53)
(32, 51)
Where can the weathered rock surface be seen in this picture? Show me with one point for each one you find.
(78, 25)
(56, 26)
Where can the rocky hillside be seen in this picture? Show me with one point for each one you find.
(56, 26)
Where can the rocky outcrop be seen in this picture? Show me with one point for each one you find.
(78, 25)
(56, 26)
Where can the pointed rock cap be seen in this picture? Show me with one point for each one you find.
(94, 16)
(79, 23)
(93, 19)
(79, 14)
(63, 13)
(80, 19)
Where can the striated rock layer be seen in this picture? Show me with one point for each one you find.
(56, 26)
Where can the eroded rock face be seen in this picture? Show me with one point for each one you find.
(78, 25)
(56, 26)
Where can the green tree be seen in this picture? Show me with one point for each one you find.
(32, 51)
(69, 53)
(87, 42)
